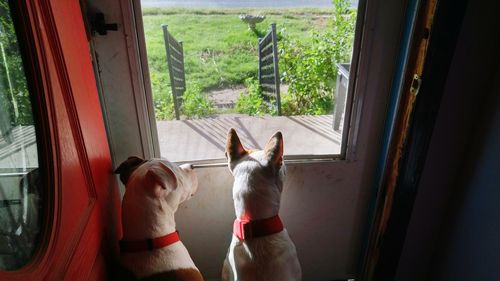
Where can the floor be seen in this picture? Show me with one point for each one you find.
(203, 139)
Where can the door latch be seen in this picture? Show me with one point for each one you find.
(415, 84)
(100, 26)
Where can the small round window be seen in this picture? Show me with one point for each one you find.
(20, 188)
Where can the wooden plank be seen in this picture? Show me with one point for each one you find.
(266, 39)
(269, 67)
(173, 42)
(267, 71)
(268, 88)
(179, 63)
(268, 79)
(267, 49)
(176, 53)
(177, 70)
(267, 57)
(267, 60)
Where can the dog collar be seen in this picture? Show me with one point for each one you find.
(248, 229)
(149, 244)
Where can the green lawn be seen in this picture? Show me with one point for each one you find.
(219, 49)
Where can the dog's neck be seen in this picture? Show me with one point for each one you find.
(143, 223)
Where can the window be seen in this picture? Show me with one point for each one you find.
(20, 188)
(257, 66)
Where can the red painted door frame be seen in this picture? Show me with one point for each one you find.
(82, 206)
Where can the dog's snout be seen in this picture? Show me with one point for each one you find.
(191, 174)
(187, 167)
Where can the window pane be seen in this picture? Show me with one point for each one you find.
(256, 65)
(20, 186)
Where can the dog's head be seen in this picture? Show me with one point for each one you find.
(271, 157)
(257, 173)
(158, 178)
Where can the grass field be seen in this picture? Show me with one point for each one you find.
(219, 49)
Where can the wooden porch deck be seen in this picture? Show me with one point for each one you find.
(202, 139)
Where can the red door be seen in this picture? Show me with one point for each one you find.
(79, 226)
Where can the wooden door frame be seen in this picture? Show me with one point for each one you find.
(430, 58)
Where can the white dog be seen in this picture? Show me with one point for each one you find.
(260, 249)
(150, 247)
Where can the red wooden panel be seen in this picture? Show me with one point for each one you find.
(83, 214)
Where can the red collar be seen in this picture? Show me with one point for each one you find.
(149, 244)
(248, 229)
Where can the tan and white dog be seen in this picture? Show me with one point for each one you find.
(261, 249)
(150, 248)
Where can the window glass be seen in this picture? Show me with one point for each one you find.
(20, 188)
(258, 66)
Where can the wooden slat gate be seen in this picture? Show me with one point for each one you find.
(269, 78)
(175, 61)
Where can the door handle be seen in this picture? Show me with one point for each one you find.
(100, 26)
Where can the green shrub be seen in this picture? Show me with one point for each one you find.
(252, 101)
(164, 107)
(308, 72)
(195, 103)
(309, 69)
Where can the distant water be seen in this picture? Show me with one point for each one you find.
(239, 3)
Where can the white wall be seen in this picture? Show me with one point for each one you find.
(321, 208)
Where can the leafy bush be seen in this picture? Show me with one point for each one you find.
(252, 101)
(195, 103)
(307, 71)
(164, 106)
(310, 69)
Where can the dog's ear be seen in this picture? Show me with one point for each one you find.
(127, 167)
(274, 150)
(162, 175)
(234, 148)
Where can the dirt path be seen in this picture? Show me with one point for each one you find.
(226, 98)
